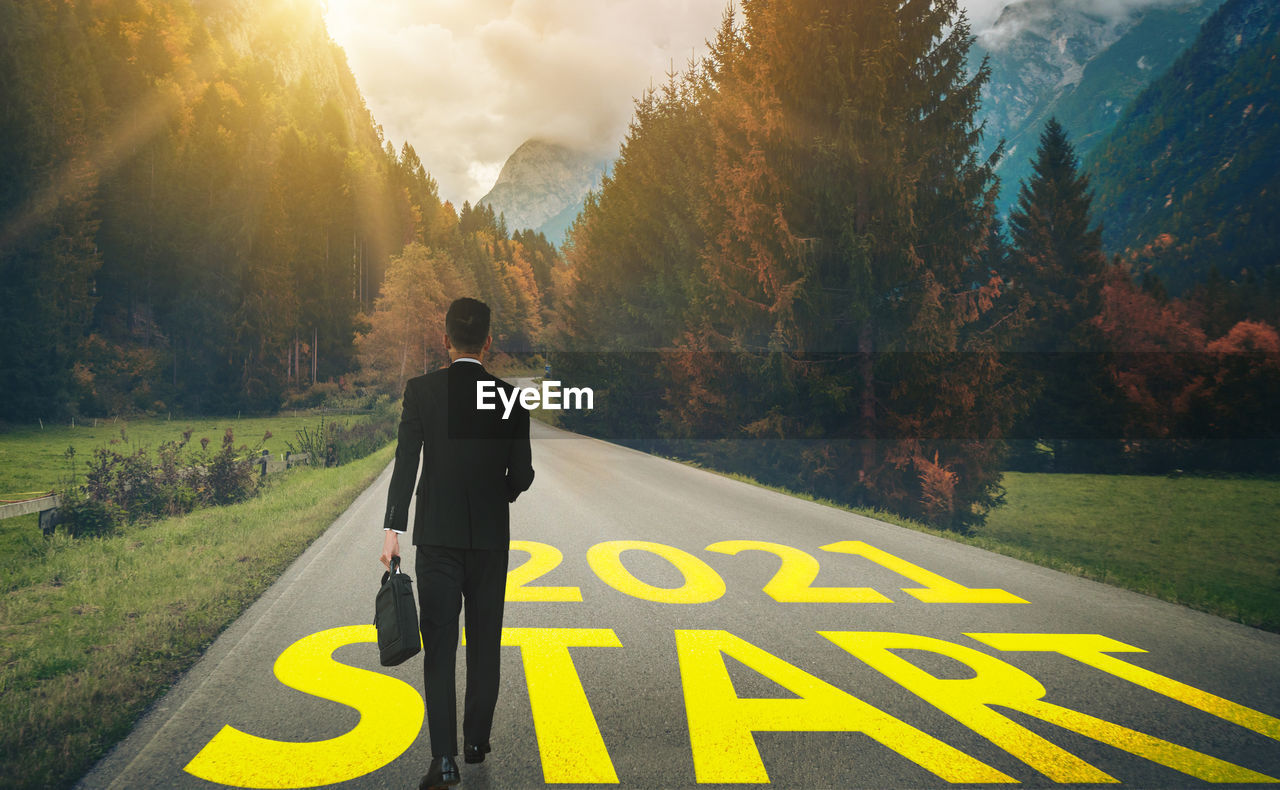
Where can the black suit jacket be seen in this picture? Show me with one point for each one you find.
(474, 462)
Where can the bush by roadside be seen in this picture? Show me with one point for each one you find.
(120, 489)
(135, 487)
(333, 443)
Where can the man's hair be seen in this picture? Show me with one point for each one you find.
(467, 324)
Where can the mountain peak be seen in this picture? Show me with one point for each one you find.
(1078, 60)
(540, 182)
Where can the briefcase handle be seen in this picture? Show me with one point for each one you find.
(395, 568)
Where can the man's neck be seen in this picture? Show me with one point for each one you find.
(464, 356)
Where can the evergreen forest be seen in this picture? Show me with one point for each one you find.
(795, 268)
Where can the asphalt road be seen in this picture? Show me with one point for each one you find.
(676, 669)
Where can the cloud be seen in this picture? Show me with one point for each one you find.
(467, 81)
(983, 13)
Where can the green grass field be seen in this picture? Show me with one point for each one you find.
(93, 630)
(1210, 543)
(1207, 543)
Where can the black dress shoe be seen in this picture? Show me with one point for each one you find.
(474, 753)
(442, 773)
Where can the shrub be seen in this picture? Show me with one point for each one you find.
(312, 442)
(335, 443)
(228, 477)
(315, 395)
(81, 516)
(133, 488)
(937, 490)
(352, 443)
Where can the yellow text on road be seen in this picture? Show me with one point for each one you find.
(721, 724)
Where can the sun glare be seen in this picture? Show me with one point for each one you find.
(339, 18)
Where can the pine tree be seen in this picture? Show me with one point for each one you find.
(841, 212)
(1057, 261)
(635, 248)
(49, 207)
(856, 207)
(633, 257)
(1058, 270)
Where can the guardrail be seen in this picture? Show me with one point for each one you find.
(267, 465)
(46, 506)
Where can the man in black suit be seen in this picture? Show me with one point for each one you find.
(475, 464)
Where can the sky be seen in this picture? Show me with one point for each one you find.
(465, 82)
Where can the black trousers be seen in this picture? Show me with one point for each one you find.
(445, 577)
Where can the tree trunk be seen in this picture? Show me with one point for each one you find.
(866, 363)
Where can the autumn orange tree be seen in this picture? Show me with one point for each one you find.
(404, 338)
(1186, 401)
(404, 329)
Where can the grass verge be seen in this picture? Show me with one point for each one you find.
(92, 631)
(1207, 543)
(31, 457)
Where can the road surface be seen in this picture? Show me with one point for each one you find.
(665, 630)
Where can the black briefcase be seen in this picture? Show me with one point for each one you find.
(395, 617)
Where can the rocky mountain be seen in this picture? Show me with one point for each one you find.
(542, 186)
(1077, 61)
(1189, 177)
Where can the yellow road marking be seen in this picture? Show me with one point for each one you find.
(970, 701)
(937, 589)
(793, 583)
(701, 583)
(721, 723)
(543, 558)
(391, 713)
